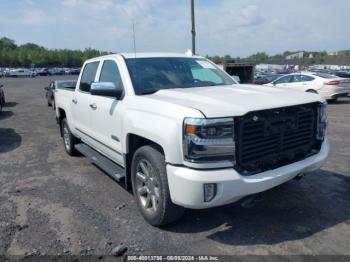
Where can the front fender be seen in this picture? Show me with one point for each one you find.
(164, 131)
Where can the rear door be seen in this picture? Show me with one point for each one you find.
(106, 114)
(297, 83)
(80, 104)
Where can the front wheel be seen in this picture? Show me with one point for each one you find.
(69, 140)
(150, 187)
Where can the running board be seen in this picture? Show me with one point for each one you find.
(115, 171)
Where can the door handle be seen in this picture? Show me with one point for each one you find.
(74, 101)
(93, 106)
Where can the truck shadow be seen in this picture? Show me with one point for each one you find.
(295, 210)
(9, 140)
(340, 102)
(11, 104)
(5, 114)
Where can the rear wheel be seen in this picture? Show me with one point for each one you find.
(150, 187)
(69, 140)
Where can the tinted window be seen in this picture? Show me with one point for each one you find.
(305, 78)
(296, 78)
(110, 73)
(285, 79)
(66, 84)
(88, 76)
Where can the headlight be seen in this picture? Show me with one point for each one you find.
(321, 121)
(208, 140)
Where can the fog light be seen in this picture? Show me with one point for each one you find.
(209, 192)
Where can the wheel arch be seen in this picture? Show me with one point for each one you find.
(134, 142)
(61, 115)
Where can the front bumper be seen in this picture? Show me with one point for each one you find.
(186, 185)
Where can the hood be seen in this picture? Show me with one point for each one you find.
(233, 100)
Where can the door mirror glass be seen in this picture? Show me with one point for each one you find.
(106, 89)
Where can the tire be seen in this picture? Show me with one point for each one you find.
(69, 140)
(151, 191)
(332, 100)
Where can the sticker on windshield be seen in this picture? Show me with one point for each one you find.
(205, 64)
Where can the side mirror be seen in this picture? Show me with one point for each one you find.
(46, 88)
(1, 85)
(106, 89)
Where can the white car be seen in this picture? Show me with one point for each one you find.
(183, 134)
(328, 86)
(21, 73)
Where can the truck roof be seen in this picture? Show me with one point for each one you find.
(148, 55)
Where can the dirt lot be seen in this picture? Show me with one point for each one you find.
(51, 203)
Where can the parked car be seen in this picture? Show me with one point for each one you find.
(328, 86)
(21, 73)
(51, 89)
(183, 134)
(265, 79)
(345, 74)
(74, 71)
(43, 72)
(2, 97)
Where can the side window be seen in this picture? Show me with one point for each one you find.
(110, 73)
(88, 76)
(305, 78)
(284, 79)
(297, 78)
(52, 85)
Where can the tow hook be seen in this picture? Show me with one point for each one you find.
(251, 201)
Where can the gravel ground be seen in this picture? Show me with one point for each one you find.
(51, 203)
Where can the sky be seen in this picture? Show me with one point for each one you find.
(234, 27)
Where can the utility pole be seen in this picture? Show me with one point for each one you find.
(193, 31)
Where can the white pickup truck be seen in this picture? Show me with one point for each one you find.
(183, 134)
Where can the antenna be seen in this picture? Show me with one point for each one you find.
(134, 38)
(193, 30)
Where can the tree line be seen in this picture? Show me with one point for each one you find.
(309, 58)
(27, 55)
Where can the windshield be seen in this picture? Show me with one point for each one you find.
(149, 75)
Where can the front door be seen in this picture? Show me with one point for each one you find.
(106, 115)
